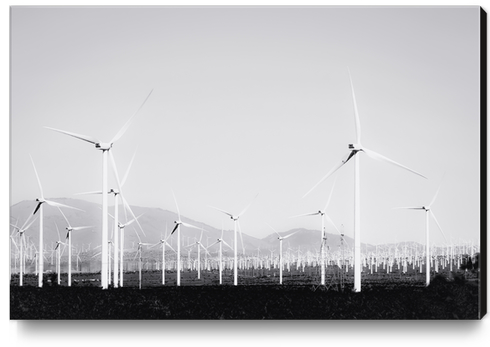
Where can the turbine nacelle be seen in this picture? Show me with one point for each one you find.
(355, 146)
(103, 146)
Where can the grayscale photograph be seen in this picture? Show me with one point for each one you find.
(247, 163)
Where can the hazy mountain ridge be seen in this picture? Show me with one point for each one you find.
(156, 223)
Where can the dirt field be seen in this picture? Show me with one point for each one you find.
(258, 296)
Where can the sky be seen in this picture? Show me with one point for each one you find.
(249, 101)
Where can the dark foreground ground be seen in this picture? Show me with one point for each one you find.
(441, 300)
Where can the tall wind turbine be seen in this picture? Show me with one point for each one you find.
(355, 148)
(428, 211)
(281, 238)
(116, 192)
(178, 223)
(105, 148)
(236, 224)
(40, 202)
(69, 229)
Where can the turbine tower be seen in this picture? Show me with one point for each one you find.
(105, 148)
(356, 148)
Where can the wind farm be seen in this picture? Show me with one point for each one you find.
(224, 198)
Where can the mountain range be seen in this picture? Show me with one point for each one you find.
(156, 223)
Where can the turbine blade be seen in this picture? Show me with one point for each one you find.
(176, 226)
(37, 176)
(306, 214)
(380, 157)
(78, 136)
(438, 225)
(211, 245)
(225, 212)
(331, 222)
(57, 204)
(128, 122)
(227, 245)
(127, 171)
(335, 168)
(409, 208)
(114, 170)
(132, 214)
(24, 228)
(178, 211)
(58, 231)
(246, 208)
(64, 217)
(171, 248)
(189, 225)
(37, 208)
(435, 195)
(87, 193)
(285, 237)
(358, 122)
(81, 228)
(330, 196)
(273, 229)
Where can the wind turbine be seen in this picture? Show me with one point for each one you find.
(164, 243)
(235, 224)
(116, 192)
(220, 241)
(178, 223)
(121, 227)
(69, 229)
(39, 207)
(105, 148)
(58, 254)
(428, 213)
(281, 238)
(323, 236)
(199, 246)
(355, 148)
(21, 231)
(140, 246)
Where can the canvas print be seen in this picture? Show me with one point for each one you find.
(250, 163)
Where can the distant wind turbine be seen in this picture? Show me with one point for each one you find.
(236, 224)
(39, 207)
(428, 211)
(199, 246)
(164, 243)
(324, 215)
(355, 149)
(69, 229)
(178, 223)
(281, 238)
(105, 148)
(21, 231)
(220, 241)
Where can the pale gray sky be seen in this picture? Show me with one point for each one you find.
(255, 100)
